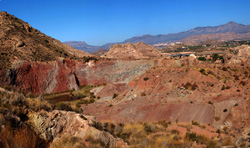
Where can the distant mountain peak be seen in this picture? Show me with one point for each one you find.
(232, 22)
(78, 42)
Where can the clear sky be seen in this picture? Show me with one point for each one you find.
(100, 21)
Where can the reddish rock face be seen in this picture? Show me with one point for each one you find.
(63, 75)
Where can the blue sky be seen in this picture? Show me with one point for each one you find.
(100, 21)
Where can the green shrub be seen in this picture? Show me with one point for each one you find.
(215, 57)
(201, 58)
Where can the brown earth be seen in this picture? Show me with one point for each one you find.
(132, 51)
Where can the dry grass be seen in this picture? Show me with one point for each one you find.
(68, 142)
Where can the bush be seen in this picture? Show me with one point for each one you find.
(146, 78)
(97, 125)
(243, 83)
(87, 59)
(194, 122)
(174, 131)
(236, 77)
(163, 123)
(63, 106)
(224, 69)
(201, 58)
(143, 94)
(7, 87)
(215, 57)
(194, 86)
(216, 118)
(91, 100)
(115, 95)
(198, 138)
(202, 71)
(187, 85)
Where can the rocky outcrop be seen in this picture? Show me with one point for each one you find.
(238, 55)
(56, 124)
(132, 51)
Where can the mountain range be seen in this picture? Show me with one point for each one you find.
(239, 31)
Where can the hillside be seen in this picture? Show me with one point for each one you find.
(20, 41)
(132, 51)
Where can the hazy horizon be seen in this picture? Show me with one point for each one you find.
(97, 22)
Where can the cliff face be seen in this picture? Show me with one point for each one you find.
(64, 74)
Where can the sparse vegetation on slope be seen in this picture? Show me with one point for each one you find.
(19, 41)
